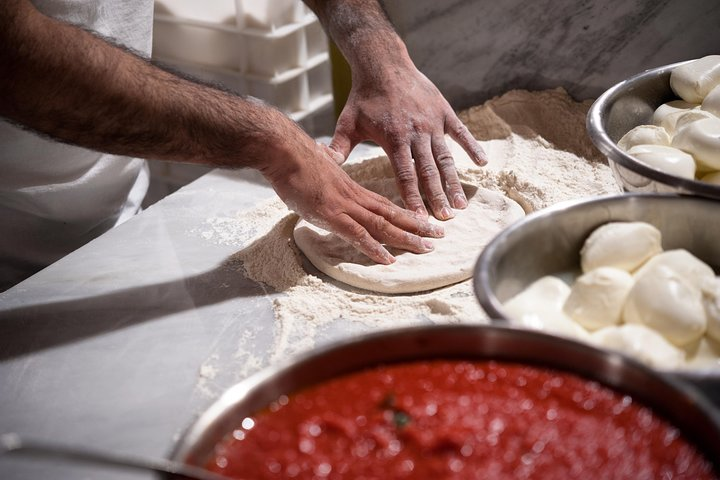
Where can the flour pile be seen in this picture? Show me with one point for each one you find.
(539, 154)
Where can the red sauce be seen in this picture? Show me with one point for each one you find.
(456, 419)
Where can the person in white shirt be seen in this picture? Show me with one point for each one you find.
(83, 105)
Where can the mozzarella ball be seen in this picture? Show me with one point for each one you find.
(623, 245)
(675, 121)
(596, 298)
(711, 302)
(539, 307)
(701, 139)
(711, 103)
(642, 343)
(644, 135)
(669, 108)
(669, 160)
(665, 301)
(692, 82)
(684, 263)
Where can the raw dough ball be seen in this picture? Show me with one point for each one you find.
(450, 262)
(641, 343)
(644, 135)
(623, 245)
(665, 301)
(701, 139)
(540, 307)
(692, 82)
(711, 103)
(672, 161)
(669, 108)
(596, 298)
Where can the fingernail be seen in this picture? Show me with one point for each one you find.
(428, 245)
(421, 212)
(437, 231)
(460, 201)
(446, 213)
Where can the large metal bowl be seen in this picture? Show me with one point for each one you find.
(624, 106)
(680, 404)
(548, 242)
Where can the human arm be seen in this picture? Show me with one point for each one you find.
(71, 85)
(393, 104)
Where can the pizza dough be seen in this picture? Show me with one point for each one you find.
(451, 261)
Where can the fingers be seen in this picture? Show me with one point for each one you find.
(430, 179)
(402, 219)
(341, 145)
(407, 180)
(459, 132)
(448, 172)
(357, 236)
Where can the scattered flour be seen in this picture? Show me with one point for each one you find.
(539, 155)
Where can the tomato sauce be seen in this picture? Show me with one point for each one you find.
(457, 419)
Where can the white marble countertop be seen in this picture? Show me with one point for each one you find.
(117, 345)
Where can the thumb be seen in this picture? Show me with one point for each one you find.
(341, 145)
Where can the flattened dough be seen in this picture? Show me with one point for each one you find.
(452, 261)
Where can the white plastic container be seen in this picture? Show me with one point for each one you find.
(270, 14)
(192, 41)
(316, 39)
(319, 78)
(221, 12)
(273, 53)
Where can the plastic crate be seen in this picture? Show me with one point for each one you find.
(192, 41)
(270, 14)
(221, 12)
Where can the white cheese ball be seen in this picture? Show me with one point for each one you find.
(711, 103)
(711, 302)
(692, 82)
(703, 354)
(623, 245)
(539, 307)
(675, 121)
(665, 301)
(644, 135)
(597, 298)
(642, 343)
(672, 161)
(670, 108)
(685, 264)
(701, 139)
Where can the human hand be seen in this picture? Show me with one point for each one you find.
(403, 112)
(307, 177)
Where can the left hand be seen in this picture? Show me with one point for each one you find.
(403, 112)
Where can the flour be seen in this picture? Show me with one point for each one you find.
(539, 155)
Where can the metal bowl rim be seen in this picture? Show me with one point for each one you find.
(235, 394)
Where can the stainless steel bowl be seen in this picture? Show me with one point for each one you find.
(548, 242)
(624, 106)
(679, 403)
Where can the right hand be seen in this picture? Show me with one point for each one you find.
(308, 179)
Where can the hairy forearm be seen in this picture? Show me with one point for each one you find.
(69, 84)
(364, 35)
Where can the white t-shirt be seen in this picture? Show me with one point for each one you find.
(55, 197)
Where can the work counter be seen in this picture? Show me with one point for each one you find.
(123, 343)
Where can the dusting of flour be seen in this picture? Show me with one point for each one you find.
(539, 155)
